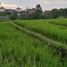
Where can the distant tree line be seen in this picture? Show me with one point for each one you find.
(38, 13)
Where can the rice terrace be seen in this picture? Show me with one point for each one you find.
(46, 46)
(33, 33)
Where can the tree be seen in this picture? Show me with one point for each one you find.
(61, 13)
(38, 13)
(13, 16)
(23, 15)
(65, 12)
(38, 8)
(54, 13)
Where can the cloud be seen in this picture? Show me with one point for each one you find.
(50, 4)
(13, 6)
(51, 1)
(45, 4)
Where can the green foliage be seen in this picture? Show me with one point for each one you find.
(13, 16)
(18, 49)
(36, 13)
(2, 14)
(45, 27)
(54, 13)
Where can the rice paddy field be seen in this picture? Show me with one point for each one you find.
(55, 29)
(20, 49)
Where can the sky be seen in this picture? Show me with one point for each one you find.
(45, 4)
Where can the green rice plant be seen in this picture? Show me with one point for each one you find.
(60, 22)
(18, 49)
(44, 27)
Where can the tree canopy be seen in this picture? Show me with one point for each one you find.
(37, 13)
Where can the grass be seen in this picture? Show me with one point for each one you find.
(18, 49)
(60, 22)
(45, 27)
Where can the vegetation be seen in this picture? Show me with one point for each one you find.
(39, 14)
(45, 27)
(21, 49)
(60, 22)
(2, 14)
(35, 13)
(18, 49)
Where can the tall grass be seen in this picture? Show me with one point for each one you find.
(44, 27)
(60, 22)
(18, 49)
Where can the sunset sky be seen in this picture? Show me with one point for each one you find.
(45, 4)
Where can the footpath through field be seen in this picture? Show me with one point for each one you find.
(41, 37)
